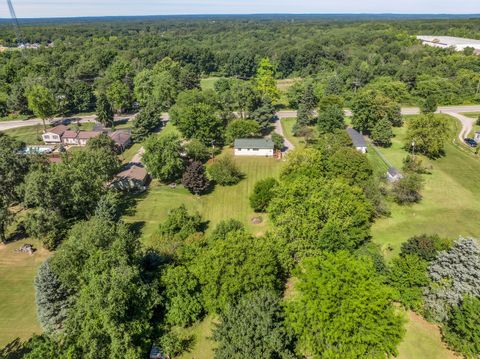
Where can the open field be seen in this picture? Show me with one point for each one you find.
(18, 318)
(451, 203)
(223, 203)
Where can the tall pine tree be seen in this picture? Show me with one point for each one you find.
(104, 111)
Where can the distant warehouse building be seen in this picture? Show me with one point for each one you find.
(457, 43)
(262, 147)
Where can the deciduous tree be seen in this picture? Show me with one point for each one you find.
(342, 309)
(162, 157)
(42, 103)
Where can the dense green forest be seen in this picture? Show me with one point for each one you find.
(340, 56)
(312, 283)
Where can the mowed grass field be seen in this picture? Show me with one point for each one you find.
(18, 317)
(451, 197)
(222, 203)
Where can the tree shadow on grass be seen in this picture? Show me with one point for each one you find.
(14, 350)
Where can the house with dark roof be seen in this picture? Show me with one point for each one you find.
(132, 178)
(261, 147)
(54, 134)
(122, 139)
(357, 140)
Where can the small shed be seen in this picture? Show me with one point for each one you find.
(132, 178)
(261, 147)
(393, 175)
(357, 140)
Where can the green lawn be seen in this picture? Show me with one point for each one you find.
(31, 135)
(451, 203)
(130, 152)
(208, 83)
(471, 114)
(422, 340)
(17, 296)
(287, 125)
(202, 346)
(223, 203)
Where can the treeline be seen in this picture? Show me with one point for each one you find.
(340, 56)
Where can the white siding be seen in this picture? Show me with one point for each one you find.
(51, 138)
(260, 152)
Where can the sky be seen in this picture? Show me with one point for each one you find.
(72, 8)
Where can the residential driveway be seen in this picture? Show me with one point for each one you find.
(278, 129)
(467, 124)
(137, 158)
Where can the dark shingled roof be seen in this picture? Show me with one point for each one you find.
(263, 143)
(356, 137)
(58, 130)
(120, 137)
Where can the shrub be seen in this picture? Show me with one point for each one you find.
(425, 246)
(408, 275)
(278, 141)
(263, 192)
(413, 164)
(225, 172)
(407, 189)
(197, 151)
(180, 224)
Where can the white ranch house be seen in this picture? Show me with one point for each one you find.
(261, 147)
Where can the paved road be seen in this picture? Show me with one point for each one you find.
(279, 129)
(8, 125)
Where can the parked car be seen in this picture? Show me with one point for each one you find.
(471, 142)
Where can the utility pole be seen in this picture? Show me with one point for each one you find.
(16, 24)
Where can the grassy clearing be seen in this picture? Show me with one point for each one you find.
(208, 83)
(223, 203)
(13, 117)
(130, 152)
(202, 346)
(423, 340)
(471, 114)
(451, 197)
(17, 296)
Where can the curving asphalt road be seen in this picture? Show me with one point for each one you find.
(454, 111)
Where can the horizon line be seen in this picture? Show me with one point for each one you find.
(250, 14)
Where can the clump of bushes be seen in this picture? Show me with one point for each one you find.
(225, 172)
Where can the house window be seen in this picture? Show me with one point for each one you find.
(47, 137)
(256, 149)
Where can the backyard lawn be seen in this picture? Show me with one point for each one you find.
(287, 125)
(451, 197)
(18, 318)
(223, 203)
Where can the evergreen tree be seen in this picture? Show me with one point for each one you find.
(104, 111)
(53, 299)
(195, 179)
(146, 122)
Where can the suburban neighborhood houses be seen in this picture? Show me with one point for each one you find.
(255, 186)
(63, 135)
